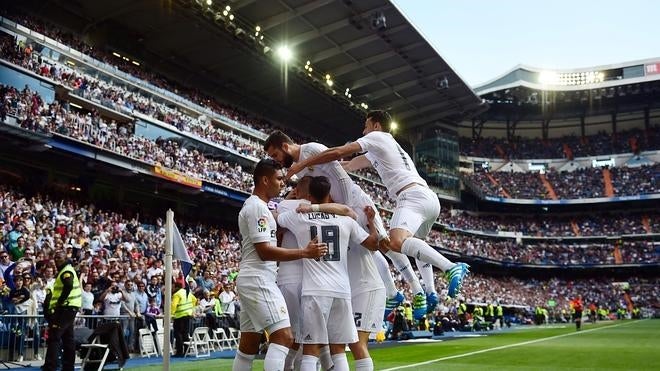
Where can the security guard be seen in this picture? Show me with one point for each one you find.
(183, 304)
(60, 307)
(499, 312)
(462, 312)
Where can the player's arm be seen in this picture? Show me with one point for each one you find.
(313, 250)
(356, 163)
(330, 154)
(371, 242)
(329, 208)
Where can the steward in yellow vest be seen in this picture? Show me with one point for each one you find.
(183, 305)
(60, 307)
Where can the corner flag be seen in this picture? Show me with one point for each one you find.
(180, 253)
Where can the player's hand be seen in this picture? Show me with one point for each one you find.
(293, 170)
(315, 249)
(369, 212)
(304, 208)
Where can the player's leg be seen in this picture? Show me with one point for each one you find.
(248, 347)
(367, 312)
(341, 331)
(416, 210)
(281, 339)
(400, 262)
(339, 357)
(264, 304)
(291, 295)
(310, 357)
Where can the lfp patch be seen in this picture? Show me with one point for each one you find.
(262, 224)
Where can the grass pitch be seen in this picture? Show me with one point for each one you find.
(618, 345)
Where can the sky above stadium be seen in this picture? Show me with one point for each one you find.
(482, 39)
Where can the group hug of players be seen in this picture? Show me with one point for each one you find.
(333, 285)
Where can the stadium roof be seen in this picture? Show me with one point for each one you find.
(596, 77)
(366, 46)
(531, 94)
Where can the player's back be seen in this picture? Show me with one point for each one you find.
(256, 224)
(327, 276)
(394, 166)
(289, 272)
(340, 182)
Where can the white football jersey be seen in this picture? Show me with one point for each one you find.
(340, 183)
(393, 164)
(256, 224)
(289, 272)
(329, 275)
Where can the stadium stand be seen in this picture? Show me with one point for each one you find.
(102, 114)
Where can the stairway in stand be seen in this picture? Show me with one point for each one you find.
(548, 187)
(607, 182)
(497, 184)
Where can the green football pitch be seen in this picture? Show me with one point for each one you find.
(617, 345)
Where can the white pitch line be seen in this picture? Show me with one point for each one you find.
(503, 347)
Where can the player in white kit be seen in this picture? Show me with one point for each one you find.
(289, 274)
(344, 191)
(326, 290)
(417, 207)
(263, 307)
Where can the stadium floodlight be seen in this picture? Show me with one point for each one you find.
(228, 8)
(258, 28)
(284, 53)
(116, 54)
(549, 77)
(393, 126)
(225, 13)
(327, 76)
(209, 2)
(231, 17)
(329, 82)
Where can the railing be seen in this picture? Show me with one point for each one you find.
(23, 338)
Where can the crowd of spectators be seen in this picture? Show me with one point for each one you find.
(626, 141)
(546, 252)
(577, 184)
(533, 292)
(109, 247)
(123, 99)
(108, 250)
(553, 225)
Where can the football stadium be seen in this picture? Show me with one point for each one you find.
(309, 185)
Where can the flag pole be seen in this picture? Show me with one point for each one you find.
(169, 228)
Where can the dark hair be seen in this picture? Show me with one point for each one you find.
(265, 167)
(382, 117)
(276, 139)
(319, 187)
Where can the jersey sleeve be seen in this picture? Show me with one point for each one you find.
(367, 142)
(258, 224)
(358, 235)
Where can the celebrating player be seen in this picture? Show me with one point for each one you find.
(417, 207)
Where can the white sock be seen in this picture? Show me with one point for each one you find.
(419, 249)
(340, 361)
(364, 364)
(308, 363)
(242, 361)
(426, 271)
(297, 361)
(325, 358)
(384, 271)
(290, 357)
(402, 264)
(275, 357)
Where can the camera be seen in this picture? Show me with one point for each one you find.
(115, 290)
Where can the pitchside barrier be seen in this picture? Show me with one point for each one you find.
(24, 338)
